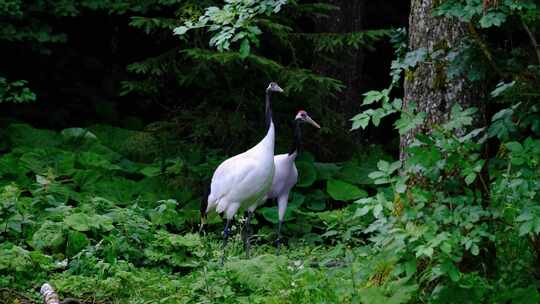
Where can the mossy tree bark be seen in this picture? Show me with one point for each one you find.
(435, 94)
(427, 85)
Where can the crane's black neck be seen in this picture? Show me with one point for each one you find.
(297, 141)
(268, 109)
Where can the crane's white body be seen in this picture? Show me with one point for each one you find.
(244, 180)
(285, 177)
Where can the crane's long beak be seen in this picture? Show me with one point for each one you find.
(279, 89)
(312, 122)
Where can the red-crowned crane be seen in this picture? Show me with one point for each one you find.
(286, 174)
(243, 181)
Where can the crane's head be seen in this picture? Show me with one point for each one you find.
(304, 117)
(273, 87)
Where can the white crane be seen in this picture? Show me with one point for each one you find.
(286, 174)
(243, 181)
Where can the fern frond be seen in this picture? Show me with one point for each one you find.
(333, 42)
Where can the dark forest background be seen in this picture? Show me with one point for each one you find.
(80, 61)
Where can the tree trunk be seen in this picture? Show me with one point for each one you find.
(427, 85)
(435, 94)
(348, 66)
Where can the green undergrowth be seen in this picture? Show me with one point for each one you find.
(109, 215)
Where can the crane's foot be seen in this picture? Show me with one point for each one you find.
(278, 246)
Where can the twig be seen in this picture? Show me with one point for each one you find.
(534, 43)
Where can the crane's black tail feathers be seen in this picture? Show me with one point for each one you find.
(204, 205)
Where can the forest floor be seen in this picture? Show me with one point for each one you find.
(84, 213)
(299, 274)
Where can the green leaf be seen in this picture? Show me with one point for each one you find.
(360, 121)
(451, 270)
(316, 201)
(475, 250)
(49, 236)
(343, 191)
(362, 211)
(401, 187)
(244, 49)
(372, 96)
(181, 30)
(514, 147)
(407, 122)
(186, 240)
(357, 174)
(307, 174)
(78, 221)
(326, 170)
(76, 242)
(151, 171)
(377, 174)
(469, 179)
(377, 210)
(383, 166)
(77, 133)
(492, 19)
(501, 88)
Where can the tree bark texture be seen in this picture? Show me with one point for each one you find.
(427, 85)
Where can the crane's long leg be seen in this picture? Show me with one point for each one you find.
(282, 206)
(278, 240)
(226, 233)
(204, 211)
(247, 232)
(203, 228)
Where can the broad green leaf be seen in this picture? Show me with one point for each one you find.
(377, 210)
(25, 135)
(78, 221)
(401, 187)
(244, 48)
(492, 19)
(181, 30)
(76, 241)
(316, 201)
(307, 174)
(362, 211)
(77, 133)
(372, 96)
(357, 174)
(360, 121)
(501, 88)
(343, 191)
(151, 171)
(514, 147)
(187, 240)
(50, 235)
(384, 166)
(326, 170)
(449, 268)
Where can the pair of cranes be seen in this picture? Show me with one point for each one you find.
(246, 180)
